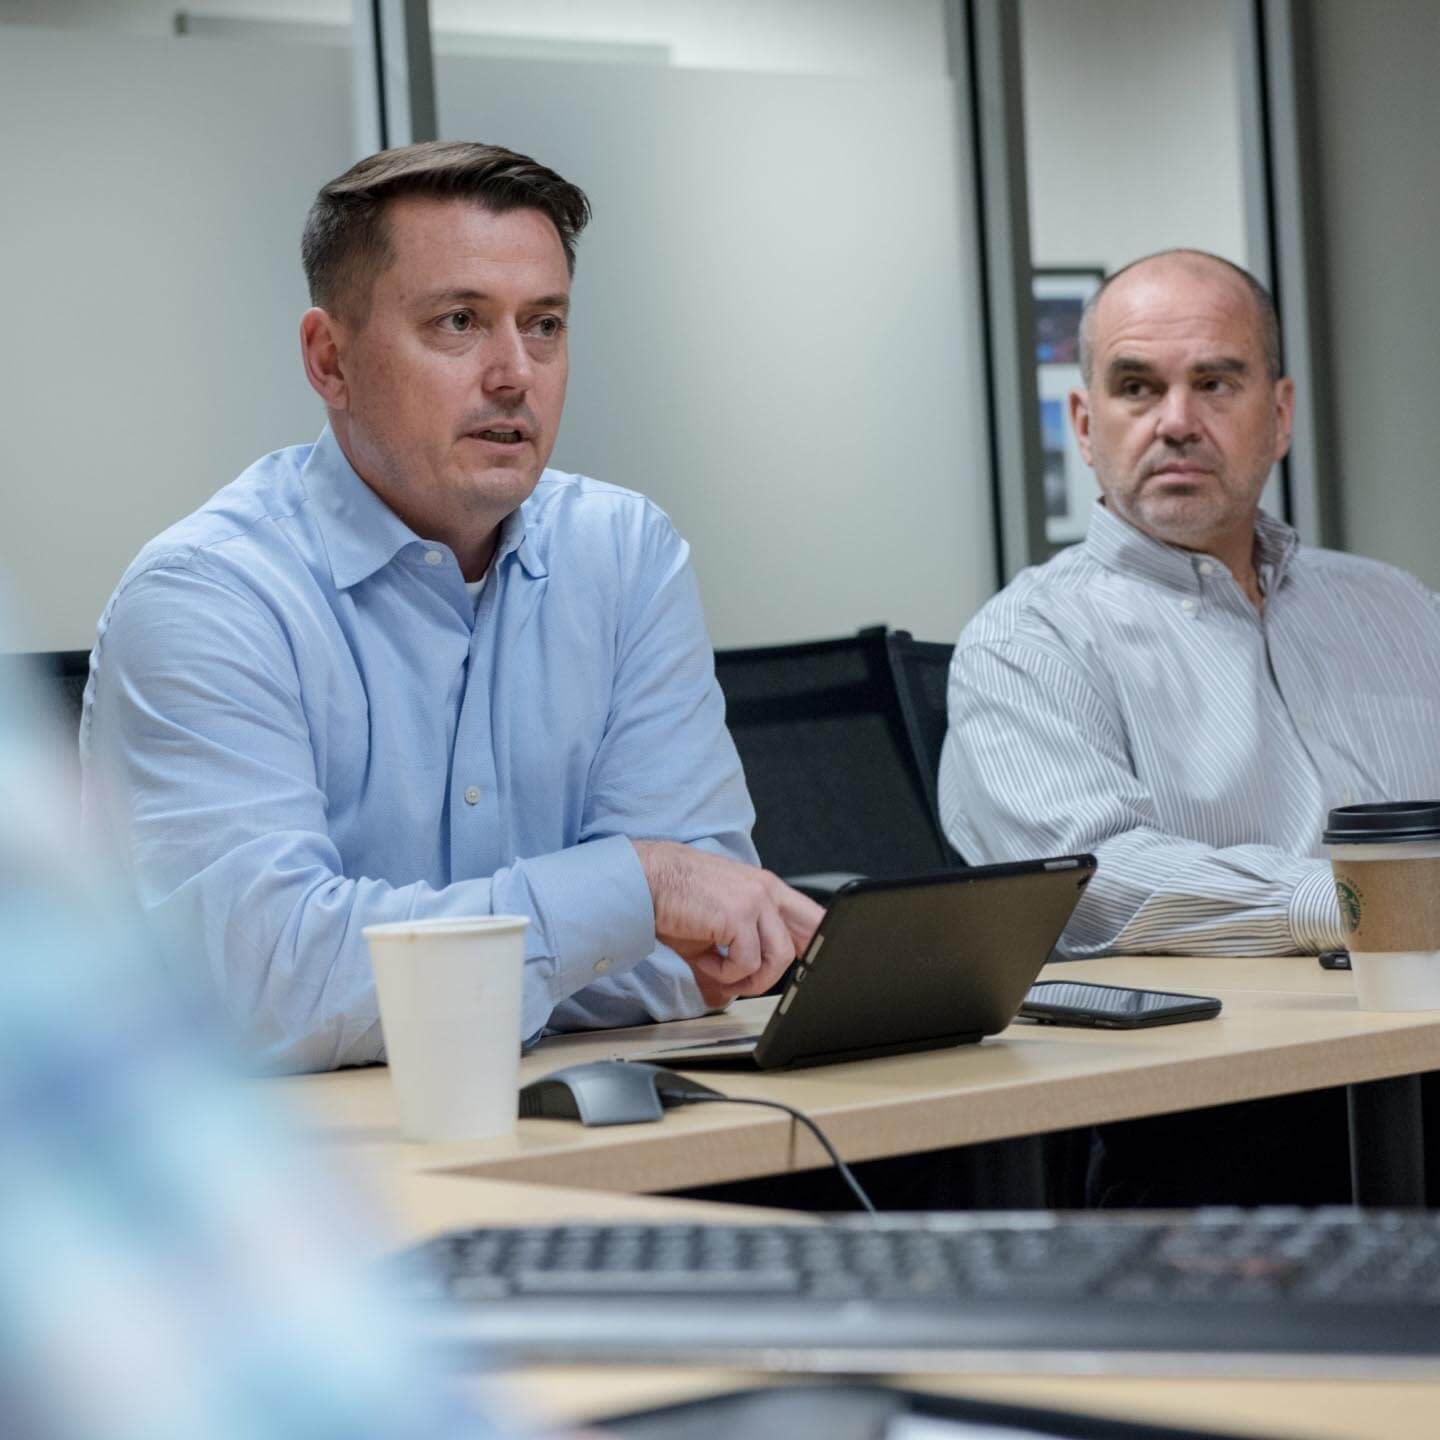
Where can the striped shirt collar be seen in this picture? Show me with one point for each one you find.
(1119, 546)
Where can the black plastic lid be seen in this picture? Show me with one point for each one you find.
(1388, 824)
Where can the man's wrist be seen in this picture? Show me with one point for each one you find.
(595, 904)
(1315, 912)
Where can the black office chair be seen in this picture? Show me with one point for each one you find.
(828, 759)
(56, 678)
(921, 670)
(843, 779)
(922, 681)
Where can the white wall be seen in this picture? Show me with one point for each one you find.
(801, 393)
(776, 303)
(1133, 145)
(157, 17)
(840, 37)
(1379, 187)
(1132, 130)
(844, 37)
(154, 193)
(774, 332)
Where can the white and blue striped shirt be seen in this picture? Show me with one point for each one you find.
(1127, 699)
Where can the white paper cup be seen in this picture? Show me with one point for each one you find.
(1389, 978)
(1396, 979)
(449, 993)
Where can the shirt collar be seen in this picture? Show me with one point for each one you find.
(1275, 546)
(362, 534)
(1119, 546)
(516, 538)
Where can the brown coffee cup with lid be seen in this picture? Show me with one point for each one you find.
(1386, 861)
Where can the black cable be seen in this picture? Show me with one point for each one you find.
(698, 1097)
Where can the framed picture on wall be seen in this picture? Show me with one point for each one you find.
(1060, 296)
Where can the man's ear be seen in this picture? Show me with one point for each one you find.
(1284, 416)
(1080, 419)
(322, 350)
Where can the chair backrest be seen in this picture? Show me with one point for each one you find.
(57, 679)
(828, 760)
(922, 681)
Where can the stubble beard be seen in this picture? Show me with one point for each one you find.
(1182, 520)
(1211, 509)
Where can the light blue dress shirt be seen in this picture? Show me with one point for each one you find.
(301, 723)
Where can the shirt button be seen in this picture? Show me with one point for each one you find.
(1206, 567)
(1188, 606)
(601, 966)
(433, 557)
(472, 794)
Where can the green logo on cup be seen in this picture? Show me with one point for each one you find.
(1349, 906)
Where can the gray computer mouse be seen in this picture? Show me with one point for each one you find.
(607, 1092)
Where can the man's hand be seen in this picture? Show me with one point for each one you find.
(737, 927)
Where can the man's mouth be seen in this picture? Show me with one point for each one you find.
(499, 436)
(1180, 468)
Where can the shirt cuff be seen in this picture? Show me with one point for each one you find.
(1315, 913)
(594, 908)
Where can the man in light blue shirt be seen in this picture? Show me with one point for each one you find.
(407, 671)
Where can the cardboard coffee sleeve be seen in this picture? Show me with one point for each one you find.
(1389, 905)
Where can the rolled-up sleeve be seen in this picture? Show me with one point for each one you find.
(1035, 764)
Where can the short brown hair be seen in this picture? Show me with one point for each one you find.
(346, 243)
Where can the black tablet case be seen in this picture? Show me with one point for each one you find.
(914, 964)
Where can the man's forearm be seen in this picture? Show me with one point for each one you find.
(1160, 895)
(291, 962)
(1020, 721)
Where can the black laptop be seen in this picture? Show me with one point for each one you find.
(910, 964)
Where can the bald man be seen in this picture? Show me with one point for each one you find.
(1189, 691)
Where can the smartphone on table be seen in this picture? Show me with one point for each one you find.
(1112, 1007)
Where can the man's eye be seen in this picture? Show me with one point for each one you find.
(457, 322)
(547, 327)
(1216, 385)
(1132, 389)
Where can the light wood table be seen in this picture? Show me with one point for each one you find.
(1287, 1026)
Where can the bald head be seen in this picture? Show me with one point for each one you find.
(1178, 267)
(1182, 415)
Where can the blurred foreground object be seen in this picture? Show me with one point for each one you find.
(171, 1263)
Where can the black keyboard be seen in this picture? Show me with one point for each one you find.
(947, 1291)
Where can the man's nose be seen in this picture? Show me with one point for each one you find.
(1177, 420)
(506, 361)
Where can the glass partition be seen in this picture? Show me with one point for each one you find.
(1133, 143)
(776, 306)
(155, 192)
